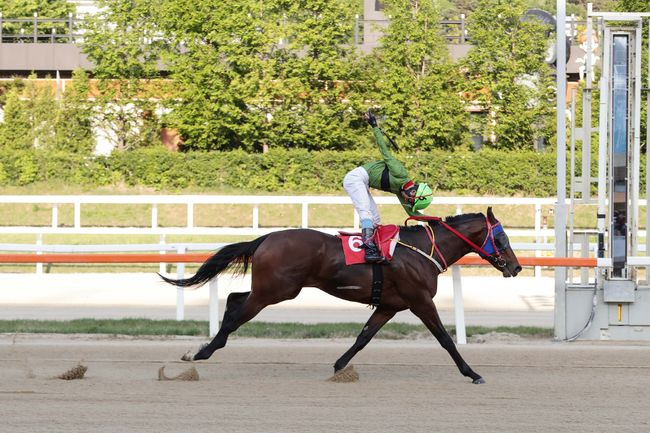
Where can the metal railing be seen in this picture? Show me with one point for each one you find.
(454, 31)
(39, 30)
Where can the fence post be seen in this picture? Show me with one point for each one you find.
(1, 25)
(190, 214)
(180, 291)
(39, 243)
(162, 265)
(71, 38)
(53, 40)
(77, 214)
(213, 301)
(35, 27)
(459, 308)
(305, 215)
(256, 216)
(538, 239)
(154, 215)
(356, 29)
(55, 216)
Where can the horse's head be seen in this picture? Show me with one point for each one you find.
(497, 245)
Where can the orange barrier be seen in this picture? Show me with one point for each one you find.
(201, 257)
(571, 262)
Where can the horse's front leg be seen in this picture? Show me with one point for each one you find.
(428, 313)
(373, 325)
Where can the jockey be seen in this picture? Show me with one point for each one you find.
(387, 175)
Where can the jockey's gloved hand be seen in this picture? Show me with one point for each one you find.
(370, 118)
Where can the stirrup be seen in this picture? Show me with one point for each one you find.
(372, 255)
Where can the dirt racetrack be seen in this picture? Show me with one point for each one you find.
(280, 386)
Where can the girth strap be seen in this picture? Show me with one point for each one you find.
(377, 282)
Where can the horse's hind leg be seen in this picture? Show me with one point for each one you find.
(374, 324)
(428, 313)
(240, 308)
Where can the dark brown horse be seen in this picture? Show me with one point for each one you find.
(286, 261)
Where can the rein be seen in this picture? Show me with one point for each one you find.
(495, 255)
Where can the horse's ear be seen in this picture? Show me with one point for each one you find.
(490, 215)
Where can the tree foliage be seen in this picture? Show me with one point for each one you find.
(34, 117)
(417, 85)
(255, 75)
(507, 76)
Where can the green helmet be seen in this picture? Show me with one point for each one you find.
(423, 197)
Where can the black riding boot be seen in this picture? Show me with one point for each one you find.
(372, 254)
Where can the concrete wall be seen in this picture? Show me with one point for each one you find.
(42, 57)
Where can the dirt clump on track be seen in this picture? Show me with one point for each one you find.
(189, 375)
(259, 385)
(74, 373)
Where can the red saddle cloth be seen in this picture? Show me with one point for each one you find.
(385, 238)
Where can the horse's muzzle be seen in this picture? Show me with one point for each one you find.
(511, 272)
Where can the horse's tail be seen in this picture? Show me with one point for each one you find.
(237, 256)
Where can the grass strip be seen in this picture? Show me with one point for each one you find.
(150, 327)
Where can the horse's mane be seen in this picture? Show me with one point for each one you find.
(457, 219)
(454, 219)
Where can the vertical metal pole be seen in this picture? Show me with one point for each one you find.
(1, 25)
(586, 119)
(633, 178)
(603, 128)
(180, 292)
(459, 308)
(647, 170)
(70, 25)
(560, 205)
(35, 26)
(356, 29)
(213, 301)
(462, 28)
(572, 171)
(538, 239)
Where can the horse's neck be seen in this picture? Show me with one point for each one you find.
(454, 246)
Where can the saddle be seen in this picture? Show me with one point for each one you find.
(386, 237)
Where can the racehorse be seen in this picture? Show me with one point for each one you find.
(284, 262)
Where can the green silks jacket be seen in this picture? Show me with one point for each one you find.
(397, 174)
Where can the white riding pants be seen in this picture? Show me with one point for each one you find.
(356, 185)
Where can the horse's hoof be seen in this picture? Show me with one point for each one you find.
(478, 381)
(188, 356)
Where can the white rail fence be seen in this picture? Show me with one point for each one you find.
(539, 232)
(190, 201)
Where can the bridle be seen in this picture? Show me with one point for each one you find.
(489, 250)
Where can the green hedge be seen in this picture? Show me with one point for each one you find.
(488, 172)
